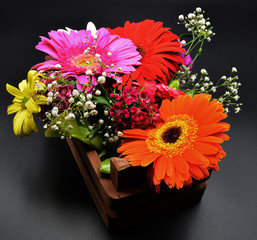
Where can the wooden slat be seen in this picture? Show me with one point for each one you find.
(122, 209)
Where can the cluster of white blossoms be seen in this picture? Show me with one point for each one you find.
(72, 103)
(205, 85)
(106, 128)
(197, 24)
(80, 105)
(199, 29)
(230, 97)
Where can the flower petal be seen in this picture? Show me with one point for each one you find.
(41, 99)
(195, 172)
(160, 167)
(23, 123)
(29, 126)
(194, 157)
(180, 164)
(170, 167)
(13, 108)
(23, 85)
(210, 139)
(135, 133)
(206, 148)
(165, 109)
(14, 91)
(210, 129)
(149, 158)
(18, 122)
(32, 75)
(32, 106)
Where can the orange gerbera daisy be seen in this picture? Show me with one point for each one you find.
(158, 47)
(184, 144)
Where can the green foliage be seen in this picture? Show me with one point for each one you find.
(74, 129)
(105, 166)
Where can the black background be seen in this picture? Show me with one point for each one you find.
(42, 194)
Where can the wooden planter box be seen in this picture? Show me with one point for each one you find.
(124, 199)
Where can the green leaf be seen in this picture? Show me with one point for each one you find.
(105, 166)
(101, 100)
(102, 153)
(104, 98)
(189, 92)
(174, 84)
(78, 131)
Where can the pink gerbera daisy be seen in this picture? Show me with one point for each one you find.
(84, 56)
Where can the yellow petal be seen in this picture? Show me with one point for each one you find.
(26, 91)
(41, 99)
(32, 75)
(18, 122)
(23, 85)
(23, 123)
(14, 91)
(32, 106)
(29, 126)
(17, 99)
(13, 108)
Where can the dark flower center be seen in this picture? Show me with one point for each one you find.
(141, 50)
(171, 135)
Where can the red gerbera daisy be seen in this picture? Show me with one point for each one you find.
(158, 47)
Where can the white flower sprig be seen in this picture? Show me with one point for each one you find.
(205, 85)
(197, 24)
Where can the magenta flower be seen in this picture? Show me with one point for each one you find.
(65, 91)
(187, 60)
(80, 55)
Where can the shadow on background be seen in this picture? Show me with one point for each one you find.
(57, 178)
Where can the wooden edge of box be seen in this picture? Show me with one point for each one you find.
(124, 176)
(118, 209)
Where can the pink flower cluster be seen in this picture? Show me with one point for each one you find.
(133, 108)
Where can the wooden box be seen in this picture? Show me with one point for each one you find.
(124, 199)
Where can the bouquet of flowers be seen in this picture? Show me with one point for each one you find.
(131, 92)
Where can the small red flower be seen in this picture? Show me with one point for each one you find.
(146, 96)
(129, 94)
(116, 96)
(116, 111)
(62, 105)
(134, 108)
(137, 114)
(65, 91)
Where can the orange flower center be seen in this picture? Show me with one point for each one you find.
(88, 61)
(174, 136)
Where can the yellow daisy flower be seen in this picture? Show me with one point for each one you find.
(26, 102)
